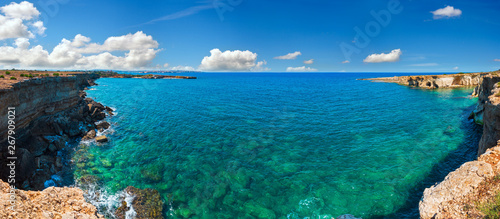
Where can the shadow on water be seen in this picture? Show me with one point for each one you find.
(466, 151)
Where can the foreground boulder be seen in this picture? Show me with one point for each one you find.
(49, 203)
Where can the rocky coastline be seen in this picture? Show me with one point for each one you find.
(52, 112)
(435, 81)
(465, 191)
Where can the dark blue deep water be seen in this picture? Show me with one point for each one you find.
(242, 145)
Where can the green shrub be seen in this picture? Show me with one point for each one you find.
(491, 209)
(56, 74)
(13, 78)
(47, 75)
(7, 72)
(22, 75)
(497, 94)
(30, 76)
(1, 76)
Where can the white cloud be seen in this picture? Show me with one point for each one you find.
(137, 41)
(496, 60)
(40, 29)
(72, 54)
(455, 68)
(391, 57)
(425, 64)
(165, 65)
(289, 55)
(13, 28)
(346, 62)
(182, 68)
(231, 61)
(12, 22)
(446, 12)
(309, 62)
(300, 69)
(24, 10)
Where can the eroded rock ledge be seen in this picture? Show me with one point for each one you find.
(435, 81)
(49, 203)
(463, 190)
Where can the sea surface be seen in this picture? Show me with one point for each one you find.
(279, 145)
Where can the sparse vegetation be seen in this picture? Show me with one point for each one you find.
(7, 72)
(21, 75)
(13, 78)
(56, 74)
(497, 94)
(491, 209)
(1, 76)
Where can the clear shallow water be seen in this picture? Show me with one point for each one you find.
(281, 145)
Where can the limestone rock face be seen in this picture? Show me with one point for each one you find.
(488, 108)
(436, 81)
(446, 199)
(49, 203)
(49, 112)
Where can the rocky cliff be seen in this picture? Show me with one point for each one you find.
(435, 81)
(488, 111)
(49, 112)
(464, 191)
(49, 203)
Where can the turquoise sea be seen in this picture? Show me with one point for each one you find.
(262, 145)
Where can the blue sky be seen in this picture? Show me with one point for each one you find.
(246, 35)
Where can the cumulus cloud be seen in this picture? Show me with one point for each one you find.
(231, 61)
(446, 12)
(20, 20)
(79, 53)
(393, 56)
(289, 55)
(346, 61)
(16, 20)
(40, 29)
(309, 62)
(300, 69)
(182, 68)
(24, 10)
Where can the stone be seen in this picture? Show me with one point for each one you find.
(347, 216)
(90, 135)
(103, 125)
(52, 148)
(49, 203)
(147, 203)
(101, 138)
(437, 201)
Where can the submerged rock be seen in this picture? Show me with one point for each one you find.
(90, 135)
(101, 139)
(347, 216)
(147, 203)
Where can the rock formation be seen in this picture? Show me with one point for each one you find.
(459, 195)
(435, 81)
(49, 203)
(49, 112)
